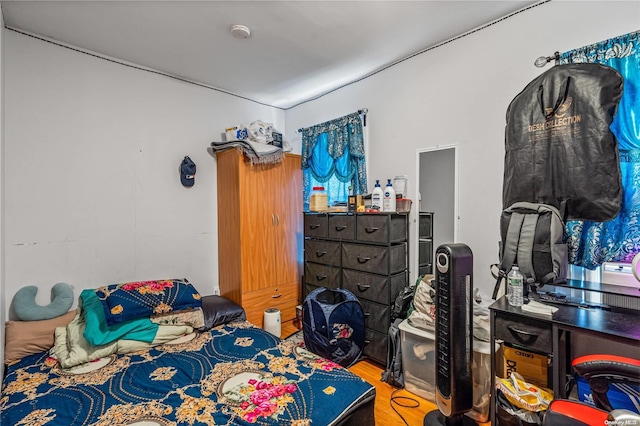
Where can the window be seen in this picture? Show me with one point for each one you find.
(333, 157)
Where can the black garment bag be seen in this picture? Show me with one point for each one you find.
(559, 149)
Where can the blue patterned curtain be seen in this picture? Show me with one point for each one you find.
(333, 157)
(617, 240)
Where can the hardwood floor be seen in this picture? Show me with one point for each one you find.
(415, 407)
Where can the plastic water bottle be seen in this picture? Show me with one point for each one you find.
(376, 197)
(515, 287)
(389, 200)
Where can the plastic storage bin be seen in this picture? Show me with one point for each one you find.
(418, 360)
(419, 368)
(481, 379)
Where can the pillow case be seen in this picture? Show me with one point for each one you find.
(219, 310)
(125, 301)
(24, 338)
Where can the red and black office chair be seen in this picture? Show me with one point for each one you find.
(599, 370)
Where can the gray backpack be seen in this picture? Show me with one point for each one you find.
(394, 375)
(532, 238)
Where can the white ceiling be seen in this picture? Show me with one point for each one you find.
(297, 51)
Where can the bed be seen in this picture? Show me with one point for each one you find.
(232, 373)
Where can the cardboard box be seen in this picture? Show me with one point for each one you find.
(534, 368)
(298, 321)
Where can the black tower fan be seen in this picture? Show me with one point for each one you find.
(454, 336)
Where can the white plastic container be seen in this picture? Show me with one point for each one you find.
(418, 360)
(389, 198)
(419, 368)
(376, 197)
(272, 321)
(481, 379)
(319, 200)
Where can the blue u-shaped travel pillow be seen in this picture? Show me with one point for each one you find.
(26, 308)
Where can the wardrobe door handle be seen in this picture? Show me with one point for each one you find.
(363, 287)
(273, 220)
(363, 259)
(278, 219)
(371, 230)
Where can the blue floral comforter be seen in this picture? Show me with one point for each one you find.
(235, 374)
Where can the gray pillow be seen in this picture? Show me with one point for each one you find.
(26, 308)
(219, 310)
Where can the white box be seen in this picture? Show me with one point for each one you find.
(419, 368)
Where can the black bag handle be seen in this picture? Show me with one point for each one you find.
(564, 91)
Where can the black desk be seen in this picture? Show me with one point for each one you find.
(552, 335)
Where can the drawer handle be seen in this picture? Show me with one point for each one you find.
(371, 230)
(367, 314)
(363, 259)
(341, 228)
(320, 253)
(522, 335)
(314, 226)
(363, 287)
(275, 296)
(321, 277)
(366, 342)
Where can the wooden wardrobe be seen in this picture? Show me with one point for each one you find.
(260, 233)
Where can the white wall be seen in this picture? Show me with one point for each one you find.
(92, 152)
(458, 93)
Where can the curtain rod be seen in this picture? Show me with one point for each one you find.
(362, 111)
(544, 60)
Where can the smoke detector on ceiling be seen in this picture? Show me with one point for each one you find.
(240, 31)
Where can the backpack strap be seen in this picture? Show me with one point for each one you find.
(556, 233)
(512, 240)
(525, 246)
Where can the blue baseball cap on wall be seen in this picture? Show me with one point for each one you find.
(187, 172)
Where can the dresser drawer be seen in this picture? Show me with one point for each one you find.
(382, 260)
(385, 228)
(342, 227)
(377, 288)
(307, 289)
(284, 297)
(375, 346)
(321, 251)
(532, 334)
(316, 225)
(376, 316)
(321, 275)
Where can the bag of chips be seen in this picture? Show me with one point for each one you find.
(523, 394)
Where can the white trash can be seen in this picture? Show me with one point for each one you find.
(272, 321)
